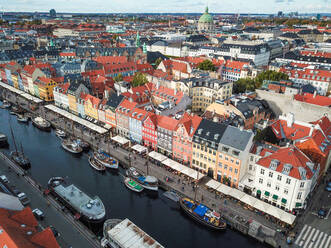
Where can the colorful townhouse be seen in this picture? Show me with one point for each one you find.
(45, 88)
(91, 106)
(81, 105)
(232, 155)
(123, 112)
(285, 178)
(182, 139)
(102, 111)
(10, 68)
(166, 127)
(149, 131)
(29, 74)
(136, 119)
(206, 140)
(60, 96)
(114, 100)
(74, 91)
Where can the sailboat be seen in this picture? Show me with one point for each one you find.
(18, 156)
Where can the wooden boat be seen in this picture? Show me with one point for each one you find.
(83, 144)
(59, 133)
(105, 159)
(202, 214)
(133, 185)
(95, 164)
(41, 123)
(71, 146)
(148, 182)
(5, 104)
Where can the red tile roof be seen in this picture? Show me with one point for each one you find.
(111, 59)
(68, 54)
(126, 107)
(292, 156)
(29, 69)
(138, 114)
(94, 100)
(296, 131)
(317, 100)
(189, 122)
(45, 238)
(167, 122)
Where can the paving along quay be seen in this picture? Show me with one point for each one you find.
(238, 216)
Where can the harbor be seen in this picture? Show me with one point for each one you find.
(48, 159)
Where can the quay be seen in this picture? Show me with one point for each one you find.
(238, 218)
(72, 232)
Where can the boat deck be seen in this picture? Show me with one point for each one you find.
(80, 200)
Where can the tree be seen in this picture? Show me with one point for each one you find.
(157, 62)
(206, 65)
(266, 135)
(247, 84)
(118, 78)
(139, 79)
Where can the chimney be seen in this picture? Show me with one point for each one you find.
(314, 94)
(290, 119)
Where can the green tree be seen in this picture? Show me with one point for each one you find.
(118, 78)
(139, 79)
(266, 135)
(206, 65)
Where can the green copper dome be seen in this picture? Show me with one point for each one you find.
(206, 17)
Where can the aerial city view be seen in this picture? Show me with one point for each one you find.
(180, 124)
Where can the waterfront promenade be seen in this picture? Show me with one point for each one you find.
(72, 232)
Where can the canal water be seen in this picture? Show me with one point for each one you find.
(156, 215)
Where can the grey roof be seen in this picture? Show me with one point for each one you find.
(236, 138)
(10, 202)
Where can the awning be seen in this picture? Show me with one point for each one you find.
(77, 119)
(157, 156)
(139, 148)
(21, 92)
(266, 193)
(182, 169)
(284, 200)
(275, 197)
(121, 140)
(298, 204)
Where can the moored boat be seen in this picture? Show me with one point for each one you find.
(3, 140)
(22, 118)
(83, 144)
(71, 146)
(59, 133)
(41, 123)
(20, 159)
(133, 185)
(105, 159)
(202, 214)
(148, 182)
(95, 164)
(81, 204)
(124, 233)
(5, 104)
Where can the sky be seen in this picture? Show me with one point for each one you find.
(172, 6)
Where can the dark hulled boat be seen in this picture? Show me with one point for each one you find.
(3, 140)
(20, 159)
(202, 214)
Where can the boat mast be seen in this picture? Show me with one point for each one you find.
(12, 134)
(22, 149)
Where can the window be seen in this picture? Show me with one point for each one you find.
(270, 174)
(288, 181)
(277, 188)
(220, 164)
(262, 172)
(236, 171)
(225, 167)
(302, 184)
(260, 180)
(279, 177)
(299, 195)
(286, 191)
(230, 169)
(268, 184)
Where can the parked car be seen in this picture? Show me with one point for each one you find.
(328, 188)
(23, 198)
(329, 184)
(321, 213)
(4, 179)
(38, 214)
(55, 232)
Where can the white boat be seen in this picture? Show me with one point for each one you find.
(22, 118)
(6, 104)
(148, 182)
(3, 140)
(41, 124)
(95, 164)
(72, 147)
(133, 185)
(59, 133)
(106, 160)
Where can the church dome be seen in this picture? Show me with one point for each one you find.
(206, 17)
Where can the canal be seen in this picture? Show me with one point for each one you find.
(156, 215)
